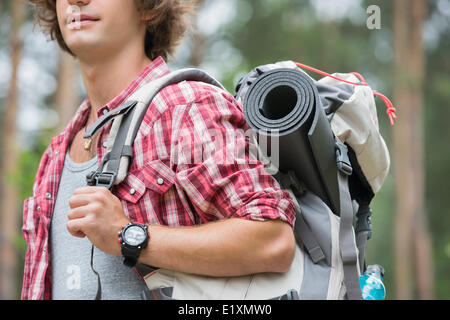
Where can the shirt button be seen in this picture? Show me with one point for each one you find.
(105, 144)
(48, 195)
(160, 181)
(105, 111)
(132, 192)
(38, 208)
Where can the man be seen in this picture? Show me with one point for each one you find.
(205, 218)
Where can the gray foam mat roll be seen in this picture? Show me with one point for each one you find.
(284, 103)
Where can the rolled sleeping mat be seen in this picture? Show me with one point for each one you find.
(284, 103)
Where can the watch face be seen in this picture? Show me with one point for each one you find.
(134, 235)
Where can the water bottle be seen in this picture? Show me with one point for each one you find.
(371, 283)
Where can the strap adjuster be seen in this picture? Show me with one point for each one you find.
(101, 179)
(342, 159)
(364, 223)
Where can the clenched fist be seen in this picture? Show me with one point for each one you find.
(98, 215)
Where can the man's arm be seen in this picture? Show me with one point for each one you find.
(230, 247)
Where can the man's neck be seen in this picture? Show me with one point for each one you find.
(105, 79)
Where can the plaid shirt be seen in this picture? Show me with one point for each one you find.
(164, 186)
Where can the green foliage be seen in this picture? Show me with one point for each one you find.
(437, 137)
(29, 162)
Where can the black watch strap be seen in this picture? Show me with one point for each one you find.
(129, 252)
(131, 255)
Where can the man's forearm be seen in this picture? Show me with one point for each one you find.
(232, 247)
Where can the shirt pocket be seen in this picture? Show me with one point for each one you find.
(152, 180)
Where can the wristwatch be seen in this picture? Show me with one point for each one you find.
(133, 238)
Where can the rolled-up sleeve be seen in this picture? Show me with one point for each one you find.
(215, 168)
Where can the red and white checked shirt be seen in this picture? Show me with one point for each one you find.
(191, 192)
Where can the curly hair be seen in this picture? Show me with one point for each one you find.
(164, 31)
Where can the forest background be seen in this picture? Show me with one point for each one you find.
(400, 46)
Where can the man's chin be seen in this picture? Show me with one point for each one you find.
(84, 48)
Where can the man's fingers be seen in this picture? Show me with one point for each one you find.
(88, 189)
(79, 234)
(75, 228)
(79, 200)
(77, 213)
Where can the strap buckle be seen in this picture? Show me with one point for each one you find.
(101, 179)
(364, 223)
(342, 159)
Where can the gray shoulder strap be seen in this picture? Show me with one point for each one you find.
(127, 120)
(347, 243)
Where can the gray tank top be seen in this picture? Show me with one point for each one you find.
(72, 276)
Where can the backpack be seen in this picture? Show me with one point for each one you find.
(332, 162)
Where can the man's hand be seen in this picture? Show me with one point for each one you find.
(97, 214)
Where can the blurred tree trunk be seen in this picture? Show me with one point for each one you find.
(331, 35)
(198, 41)
(1, 14)
(198, 49)
(412, 241)
(422, 238)
(9, 198)
(66, 99)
